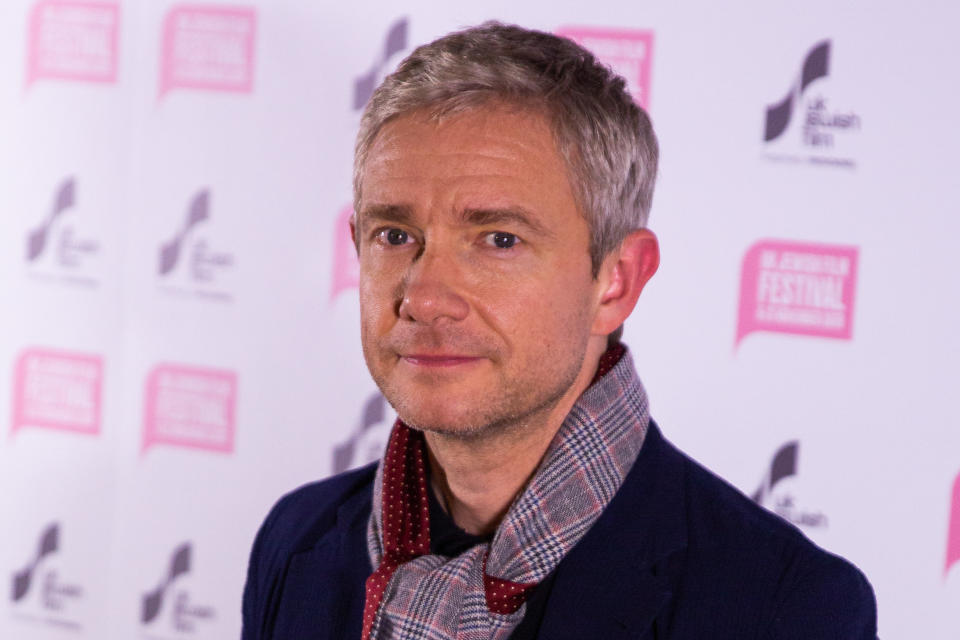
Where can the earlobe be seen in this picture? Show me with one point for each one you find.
(632, 266)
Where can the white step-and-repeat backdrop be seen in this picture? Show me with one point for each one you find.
(179, 337)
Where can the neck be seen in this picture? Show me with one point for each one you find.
(479, 478)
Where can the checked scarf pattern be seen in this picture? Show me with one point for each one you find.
(480, 594)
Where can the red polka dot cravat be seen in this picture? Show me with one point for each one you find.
(406, 527)
(406, 519)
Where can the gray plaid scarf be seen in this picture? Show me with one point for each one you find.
(433, 597)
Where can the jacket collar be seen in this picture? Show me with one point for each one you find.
(325, 582)
(612, 585)
(615, 582)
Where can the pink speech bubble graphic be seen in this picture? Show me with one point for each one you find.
(800, 288)
(73, 41)
(346, 267)
(953, 529)
(208, 47)
(190, 407)
(628, 52)
(57, 390)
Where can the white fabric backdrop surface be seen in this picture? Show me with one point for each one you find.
(179, 339)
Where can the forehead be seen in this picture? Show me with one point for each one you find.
(493, 151)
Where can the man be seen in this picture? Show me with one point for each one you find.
(502, 184)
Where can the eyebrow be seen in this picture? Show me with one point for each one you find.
(483, 217)
(400, 213)
(403, 214)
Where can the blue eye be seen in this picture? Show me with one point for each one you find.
(501, 240)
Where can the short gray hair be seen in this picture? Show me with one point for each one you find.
(606, 140)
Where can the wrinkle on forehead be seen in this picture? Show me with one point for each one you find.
(399, 143)
(482, 147)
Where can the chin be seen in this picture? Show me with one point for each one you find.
(424, 399)
(444, 419)
(474, 404)
(461, 421)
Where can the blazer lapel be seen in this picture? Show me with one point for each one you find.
(326, 583)
(623, 572)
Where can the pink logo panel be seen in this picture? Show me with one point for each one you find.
(953, 529)
(190, 407)
(208, 47)
(799, 288)
(628, 52)
(73, 41)
(346, 267)
(57, 390)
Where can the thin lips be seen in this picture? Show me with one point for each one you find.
(438, 356)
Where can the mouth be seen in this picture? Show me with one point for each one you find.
(438, 360)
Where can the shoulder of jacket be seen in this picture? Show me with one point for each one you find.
(738, 544)
(303, 516)
(722, 514)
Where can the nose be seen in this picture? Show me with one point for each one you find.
(429, 291)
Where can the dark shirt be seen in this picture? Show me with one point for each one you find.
(448, 539)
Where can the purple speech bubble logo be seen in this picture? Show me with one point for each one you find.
(190, 407)
(73, 41)
(815, 66)
(800, 288)
(209, 48)
(628, 52)
(37, 238)
(783, 465)
(346, 266)
(57, 390)
(368, 439)
(49, 543)
(152, 601)
(953, 529)
(199, 211)
(394, 42)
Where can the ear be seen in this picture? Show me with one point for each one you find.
(353, 233)
(623, 275)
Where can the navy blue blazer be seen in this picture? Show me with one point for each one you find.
(677, 554)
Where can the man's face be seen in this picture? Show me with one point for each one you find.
(476, 291)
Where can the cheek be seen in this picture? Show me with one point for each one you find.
(375, 321)
(378, 287)
(376, 309)
(568, 299)
(567, 309)
(542, 310)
